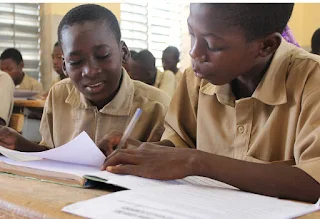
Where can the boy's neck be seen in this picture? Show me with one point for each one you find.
(245, 85)
(101, 104)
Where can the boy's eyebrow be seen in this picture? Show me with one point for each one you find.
(206, 34)
(211, 35)
(101, 46)
(76, 53)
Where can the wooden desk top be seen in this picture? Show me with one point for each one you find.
(26, 198)
(29, 103)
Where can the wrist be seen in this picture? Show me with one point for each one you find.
(194, 162)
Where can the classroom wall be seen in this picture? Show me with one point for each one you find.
(51, 15)
(304, 21)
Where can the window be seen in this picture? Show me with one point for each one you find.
(151, 25)
(19, 28)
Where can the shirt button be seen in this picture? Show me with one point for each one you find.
(240, 129)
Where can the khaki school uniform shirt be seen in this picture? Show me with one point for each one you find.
(6, 96)
(29, 83)
(178, 76)
(67, 113)
(280, 123)
(55, 80)
(166, 81)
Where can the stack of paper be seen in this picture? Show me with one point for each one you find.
(188, 202)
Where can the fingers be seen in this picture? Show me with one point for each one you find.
(118, 157)
(109, 142)
(125, 169)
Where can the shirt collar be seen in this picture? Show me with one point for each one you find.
(272, 88)
(120, 105)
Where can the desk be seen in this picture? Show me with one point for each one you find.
(29, 103)
(25, 198)
(32, 111)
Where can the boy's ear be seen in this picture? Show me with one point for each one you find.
(125, 53)
(21, 65)
(64, 67)
(270, 44)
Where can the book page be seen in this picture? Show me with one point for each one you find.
(135, 182)
(187, 202)
(55, 166)
(81, 150)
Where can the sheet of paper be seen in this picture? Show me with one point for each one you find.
(187, 202)
(55, 166)
(134, 182)
(81, 150)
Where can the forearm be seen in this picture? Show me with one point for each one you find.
(28, 146)
(266, 179)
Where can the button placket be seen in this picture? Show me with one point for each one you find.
(243, 120)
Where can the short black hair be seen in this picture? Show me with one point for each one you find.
(132, 52)
(315, 42)
(56, 44)
(90, 12)
(256, 19)
(12, 53)
(145, 58)
(174, 50)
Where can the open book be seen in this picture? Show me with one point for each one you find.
(77, 163)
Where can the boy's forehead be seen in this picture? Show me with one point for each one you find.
(88, 34)
(207, 16)
(8, 62)
(92, 29)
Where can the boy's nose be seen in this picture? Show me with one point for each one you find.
(196, 51)
(91, 69)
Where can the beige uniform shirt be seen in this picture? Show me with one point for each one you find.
(67, 113)
(55, 80)
(29, 83)
(178, 76)
(279, 123)
(6, 96)
(166, 81)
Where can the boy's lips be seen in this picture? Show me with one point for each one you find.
(198, 75)
(95, 87)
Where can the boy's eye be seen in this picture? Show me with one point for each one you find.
(216, 49)
(103, 56)
(74, 63)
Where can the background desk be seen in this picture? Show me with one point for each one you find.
(29, 103)
(25, 198)
(32, 111)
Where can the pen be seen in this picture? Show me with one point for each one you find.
(129, 129)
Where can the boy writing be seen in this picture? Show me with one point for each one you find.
(250, 108)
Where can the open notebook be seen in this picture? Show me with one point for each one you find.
(77, 163)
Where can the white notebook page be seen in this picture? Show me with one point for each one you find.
(187, 202)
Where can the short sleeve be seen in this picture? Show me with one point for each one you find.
(181, 119)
